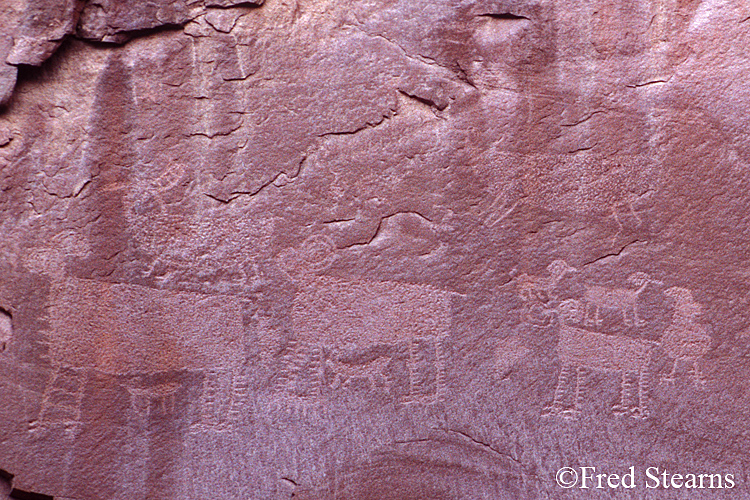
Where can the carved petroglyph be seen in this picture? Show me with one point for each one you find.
(537, 292)
(223, 401)
(685, 339)
(540, 288)
(621, 299)
(160, 397)
(374, 371)
(338, 315)
(614, 188)
(61, 400)
(6, 329)
(582, 351)
(121, 329)
(194, 247)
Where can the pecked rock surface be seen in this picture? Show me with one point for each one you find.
(327, 249)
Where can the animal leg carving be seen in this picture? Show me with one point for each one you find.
(563, 382)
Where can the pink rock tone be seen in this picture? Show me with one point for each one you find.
(351, 250)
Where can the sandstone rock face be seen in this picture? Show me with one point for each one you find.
(328, 249)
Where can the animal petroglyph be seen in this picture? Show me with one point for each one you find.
(615, 188)
(537, 292)
(223, 401)
(621, 299)
(685, 339)
(61, 400)
(337, 315)
(120, 329)
(145, 400)
(371, 370)
(582, 351)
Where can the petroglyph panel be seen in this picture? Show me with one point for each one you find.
(623, 345)
(334, 249)
(332, 314)
(118, 328)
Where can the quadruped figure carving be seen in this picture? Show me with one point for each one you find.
(223, 401)
(332, 315)
(145, 400)
(582, 351)
(685, 339)
(61, 400)
(623, 299)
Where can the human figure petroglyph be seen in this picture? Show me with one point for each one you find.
(623, 299)
(685, 339)
(582, 351)
(337, 315)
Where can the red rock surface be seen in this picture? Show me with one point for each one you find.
(329, 249)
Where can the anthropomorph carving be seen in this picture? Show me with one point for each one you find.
(338, 315)
(685, 339)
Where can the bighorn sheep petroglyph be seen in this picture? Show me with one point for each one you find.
(622, 299)
(685, 339)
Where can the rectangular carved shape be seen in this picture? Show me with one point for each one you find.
(119, 328)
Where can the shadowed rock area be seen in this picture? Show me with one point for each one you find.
(355, 250)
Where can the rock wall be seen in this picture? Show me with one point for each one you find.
(414, 249)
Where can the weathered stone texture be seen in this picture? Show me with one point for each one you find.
(330, 249)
